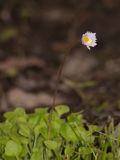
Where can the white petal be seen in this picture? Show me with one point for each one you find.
(88, 47)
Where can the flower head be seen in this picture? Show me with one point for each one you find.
(89, 39)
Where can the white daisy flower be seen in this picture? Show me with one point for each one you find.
(89, 39)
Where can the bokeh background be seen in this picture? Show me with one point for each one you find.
(34, 36)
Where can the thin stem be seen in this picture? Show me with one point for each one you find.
(59, 73)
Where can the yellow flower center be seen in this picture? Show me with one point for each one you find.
(86, 39)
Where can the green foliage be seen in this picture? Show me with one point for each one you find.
(26, 137)
(13, 149)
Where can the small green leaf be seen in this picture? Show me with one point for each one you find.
(85, 150)
(56, 125)
(33, 120)
(35, 154)
(68, 133)
(18, 113)
(76, 117)
(41, 128)
(44, 132)
(69, 150)
(53, 145)
(12, 148)
(24, 130)
(62, 109)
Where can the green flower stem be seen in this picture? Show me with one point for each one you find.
(59, 73)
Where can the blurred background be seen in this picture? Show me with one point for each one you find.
(34, 36)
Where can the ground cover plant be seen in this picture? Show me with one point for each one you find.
(26, 137)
